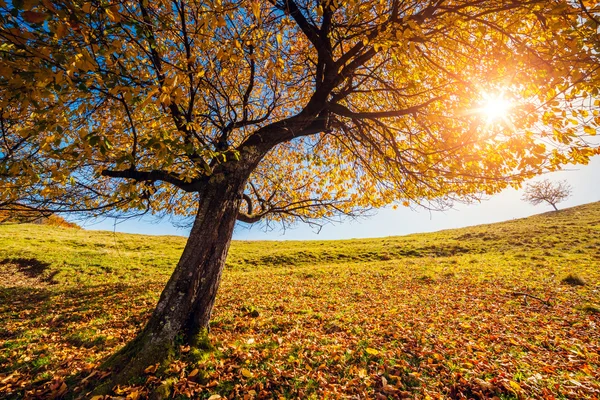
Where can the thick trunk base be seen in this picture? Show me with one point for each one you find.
(183, 312)
(131, 361)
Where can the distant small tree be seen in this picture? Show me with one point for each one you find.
(547, 191)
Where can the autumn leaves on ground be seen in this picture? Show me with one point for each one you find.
(508, 310)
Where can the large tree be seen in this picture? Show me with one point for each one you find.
(282, 110)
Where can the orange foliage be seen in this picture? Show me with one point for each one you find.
(29, 217)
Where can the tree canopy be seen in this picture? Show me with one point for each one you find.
(341, 105)
(282, 110)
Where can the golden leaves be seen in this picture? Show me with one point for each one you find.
(113, 14)
(246, 373)
(371, 351)
(256, 9)
(443, 327)
(127, 88)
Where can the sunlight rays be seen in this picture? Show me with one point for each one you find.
(495, 108)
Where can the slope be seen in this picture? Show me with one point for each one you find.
(477, 312)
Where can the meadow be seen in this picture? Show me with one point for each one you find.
(507, 311)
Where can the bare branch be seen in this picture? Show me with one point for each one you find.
(345, 112)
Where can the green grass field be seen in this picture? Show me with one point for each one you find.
(479, 312)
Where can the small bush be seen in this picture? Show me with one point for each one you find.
(55, 220)
(23, 215)
(574, 280)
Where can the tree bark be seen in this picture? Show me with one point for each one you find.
(185, 305)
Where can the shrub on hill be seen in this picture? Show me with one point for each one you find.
(27, 217)
(574, 280)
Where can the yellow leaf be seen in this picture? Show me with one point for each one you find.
(516, 387)
(119, 390)
(256, 9)
(193, 373)
(151, 369)
(113, 14)
(246, 373)
(589, 130)
(586, 368)
(372, 351)
(149, 97)
(214, 397)
(135, 395)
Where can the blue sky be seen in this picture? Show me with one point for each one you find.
(584, 179)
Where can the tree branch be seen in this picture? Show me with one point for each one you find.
(153, 176)
(307, 28)
(345, 112)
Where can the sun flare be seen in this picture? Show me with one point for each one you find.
(495, 108)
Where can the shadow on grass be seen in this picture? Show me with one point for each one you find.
(52, 331)
(30, 267)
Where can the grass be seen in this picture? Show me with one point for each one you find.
(440, 314)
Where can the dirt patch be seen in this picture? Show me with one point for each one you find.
(25, 272)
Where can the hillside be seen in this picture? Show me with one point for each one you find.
(477, 312)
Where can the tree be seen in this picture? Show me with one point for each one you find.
(286, 110)
(547, 191)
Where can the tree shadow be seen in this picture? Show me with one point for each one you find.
(30, 267)
(41, 324)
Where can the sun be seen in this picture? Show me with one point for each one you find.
(495, 107)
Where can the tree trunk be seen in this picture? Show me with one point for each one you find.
(553, 205)
(186, 303)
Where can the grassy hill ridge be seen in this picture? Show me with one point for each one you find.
(475, 312)
(73, 255)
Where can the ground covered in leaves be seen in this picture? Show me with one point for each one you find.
(480, 312)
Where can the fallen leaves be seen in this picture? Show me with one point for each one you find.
(362, 329)
(151, 369)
